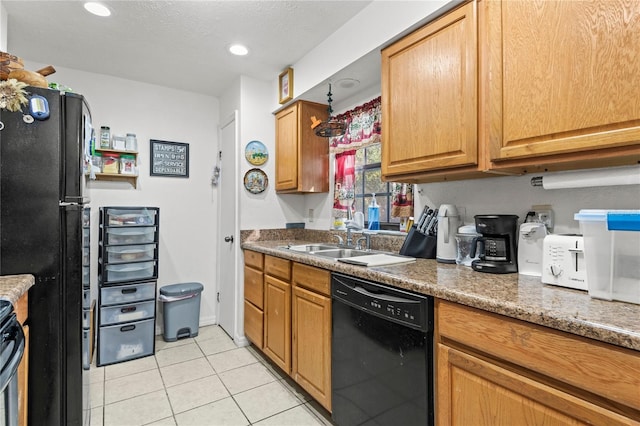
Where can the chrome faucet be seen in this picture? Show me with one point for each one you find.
(366, 236)
(348, 243)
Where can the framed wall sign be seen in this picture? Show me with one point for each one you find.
(169, 159)
(285, 84)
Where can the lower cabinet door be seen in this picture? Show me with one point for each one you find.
(253, 324)
(277, 322)
(473, 391)
(311, 347)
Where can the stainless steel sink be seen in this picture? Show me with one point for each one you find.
(312, 247)
(341, 253)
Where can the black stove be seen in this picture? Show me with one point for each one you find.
(5, 310)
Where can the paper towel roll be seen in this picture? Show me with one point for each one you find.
(588, 178)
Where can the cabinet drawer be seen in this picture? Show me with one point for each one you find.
(86, 256)
(137, 235)
(86, 237)
(126, 313)
(128, 217)
(610, 371)
(253, 259)
(253, 324)
(130, 271)
(86, 318)
(315, 279)
(132, 253)
(124, 342)
(276, 267)
(86, 276)
(253, 288)
(127, 293)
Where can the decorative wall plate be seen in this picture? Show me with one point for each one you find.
(255, 181)
(256, 153)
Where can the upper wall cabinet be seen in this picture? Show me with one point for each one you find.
(510, 87)
(302, 158)
(564, 84)
(429, 99)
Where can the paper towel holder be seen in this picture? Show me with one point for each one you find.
(626, 175)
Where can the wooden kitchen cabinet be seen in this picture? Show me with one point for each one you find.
(497, 370)
(311, 331)
(254, 297)
(302, 158)
(277, 311)
(563, 84)
(429, 101)
(513, 87)
(290, 303)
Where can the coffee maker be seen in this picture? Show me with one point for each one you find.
(497, 253)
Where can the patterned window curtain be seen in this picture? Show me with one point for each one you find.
(363, 127)
(402, 199)
(345, 178)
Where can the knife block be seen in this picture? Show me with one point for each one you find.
(417, 244)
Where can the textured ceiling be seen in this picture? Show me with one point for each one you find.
(180, 44)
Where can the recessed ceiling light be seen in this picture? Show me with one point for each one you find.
(97, 8)
(347, 83)
(238, 49)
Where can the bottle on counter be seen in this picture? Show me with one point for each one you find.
(374, 213)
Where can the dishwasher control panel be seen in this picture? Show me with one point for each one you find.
(401, 306)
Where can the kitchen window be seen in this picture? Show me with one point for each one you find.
(358, 171)
(368, 180)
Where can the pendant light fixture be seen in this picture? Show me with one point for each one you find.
(330, 128)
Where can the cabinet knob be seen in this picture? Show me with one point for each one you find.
(228, 239)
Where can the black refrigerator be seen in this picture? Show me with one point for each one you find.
(42, 202)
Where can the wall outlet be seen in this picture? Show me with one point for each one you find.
(543, 213)
(310, 215)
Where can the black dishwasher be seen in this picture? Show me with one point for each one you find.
(381, 354)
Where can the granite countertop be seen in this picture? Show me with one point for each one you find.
(513, 295)
(12, 287)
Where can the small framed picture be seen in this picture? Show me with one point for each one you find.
(286, 85)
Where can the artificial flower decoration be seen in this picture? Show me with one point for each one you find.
(12, 95)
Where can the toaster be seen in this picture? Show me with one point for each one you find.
(563, 262)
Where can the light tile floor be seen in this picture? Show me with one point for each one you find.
(201, 381)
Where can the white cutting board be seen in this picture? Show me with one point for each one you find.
(377, 260)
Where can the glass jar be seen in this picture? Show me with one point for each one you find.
(105, 137)
(131, 142)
